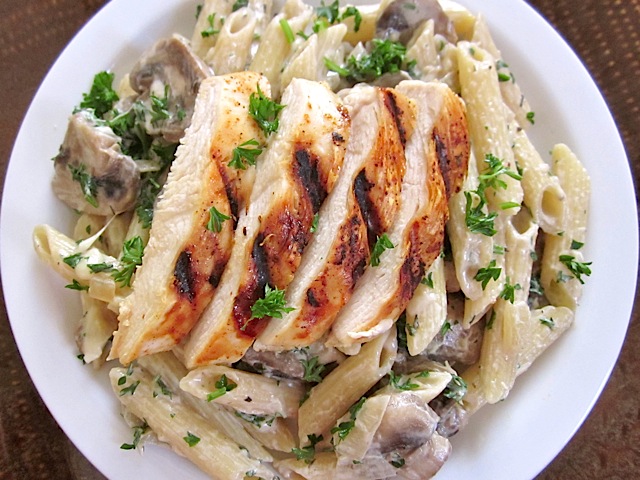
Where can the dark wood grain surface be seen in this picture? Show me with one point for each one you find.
(603, 33)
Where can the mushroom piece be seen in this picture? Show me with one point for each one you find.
(402, 18)
(407, 423)
(167, 78)
(92, 174)
(457, 344)
(425, 461)
(290, 363)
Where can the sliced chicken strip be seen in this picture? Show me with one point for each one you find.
(185, 256)
(293, 177)
(338, 251)
(417, 233)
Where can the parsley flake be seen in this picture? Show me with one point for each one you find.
(87, 183)
(273, 304)
(210, 30)
(132, 252)
(308, 453)
(73, 260)
(243, 154)
(485, 274)
(102, 96)
(223, 385)
(264, 111)
(216, 218)
(382, 243)
(191, 439)
(344, 428)
(577, 269)
(312, 370)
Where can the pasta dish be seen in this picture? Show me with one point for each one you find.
(311, 242)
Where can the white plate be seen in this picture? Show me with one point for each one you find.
(512, 440)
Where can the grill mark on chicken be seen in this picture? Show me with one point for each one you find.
(258, 278)
(183, 276)
(361, 188)
(396, 113)
(305, 169)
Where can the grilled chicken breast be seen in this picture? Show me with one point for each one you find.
(294, 175)
(417, 232)
(338, 251)
(186, 255)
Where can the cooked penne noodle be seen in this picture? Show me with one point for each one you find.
(345, 385)
(427, 310)
(562, 286)
(187, 432)
(232, 51)
(253, 393)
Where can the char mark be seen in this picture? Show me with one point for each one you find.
(184, 278)
(443, 161)
(361, 187)
(305, 169)
(261, 264)
(396, 112)
(337, 138)
(311, 299)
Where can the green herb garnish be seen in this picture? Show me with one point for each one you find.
(382, 243)
(216, 219)
(223, 385)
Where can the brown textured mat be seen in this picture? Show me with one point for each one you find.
(604, 34)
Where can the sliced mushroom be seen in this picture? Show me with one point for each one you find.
(167, 78)
(425, 461)
(408, 423)
(289, 363)
(92, 174)
(456, 344)
(402, 18)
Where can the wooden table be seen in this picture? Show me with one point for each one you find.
(606, 36)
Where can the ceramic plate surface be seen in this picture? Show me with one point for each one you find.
(512, 440)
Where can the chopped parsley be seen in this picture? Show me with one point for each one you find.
(509, 291)
(73, 260)
(531, 117)
(223, 385)
(164, 390)
(397, 382)
(314, 223)
(102, 96)
(535, 287)
(576, 268)
(308, 453)
(132, 252)
(137, 435)
(264, 111)
(273, 304)
(191, 439)
(257, 420)
(446, 326)
(130, 390)
(160, 107)
(575, 245)
(397, 461)
(210, 30)
(428, 280)
(382, 243)
(548, 322)
(344, 428)
(476, 218)
(245, 154)
(75, 285)
(239, 4)
(313, 370)
(485, 274)
(87, 183)
(491, 176)
(101, 267)
(386, 57)
(456, 388)
(286, 30)
(216, 219)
